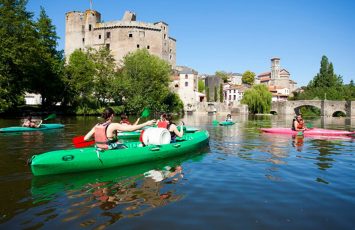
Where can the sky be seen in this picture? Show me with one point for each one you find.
(238, 35)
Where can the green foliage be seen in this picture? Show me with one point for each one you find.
(18, 46)
(221, 96)
(248, 77)
(215, 94)
(201, 85)
(145, 80)
(173, 103)
(326, 85)
(258, 99)
(223, 75)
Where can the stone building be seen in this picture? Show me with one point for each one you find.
(278, 81)
(85, 29)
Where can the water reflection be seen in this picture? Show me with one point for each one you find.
(113, 194)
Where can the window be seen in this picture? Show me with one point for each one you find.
(234, 97)
(99, 36)
(108, 34)
(130, 35)
(186, 76)
(83, 40)
(230, 97)
(89, 27)
(186, 83)
(108, 46)
(137, 45)
(148, 47)
(171, 57)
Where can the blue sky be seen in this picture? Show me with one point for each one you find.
(239, 35)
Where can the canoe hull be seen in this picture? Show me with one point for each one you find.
(310, 132)
(85, 159)
(226, 123)
(27, 129)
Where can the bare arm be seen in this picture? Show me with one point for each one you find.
(177, 132)
(89, 134)
(136, 122)
(120, 127)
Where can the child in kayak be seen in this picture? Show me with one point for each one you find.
(31, 123)
(105, 133)
(229, 118)
(298, 123)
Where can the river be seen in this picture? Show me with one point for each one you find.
(243, 180)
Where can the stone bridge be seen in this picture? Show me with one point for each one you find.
(327, 107)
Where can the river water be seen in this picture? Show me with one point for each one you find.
(243, 180)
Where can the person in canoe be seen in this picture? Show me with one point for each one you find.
(298, 123)
(174, 132)
(105, 133)
(162, 123)
(125, 121)
(229, 118)
(31, 123)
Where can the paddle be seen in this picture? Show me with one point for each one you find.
(79, 142)
(145, 113)
(51, 116)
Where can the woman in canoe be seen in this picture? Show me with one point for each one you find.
(174, 132)
(105, 133)
(298, 123)
(162, 123)
(125, 121)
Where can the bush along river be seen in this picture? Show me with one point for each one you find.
(243, 179)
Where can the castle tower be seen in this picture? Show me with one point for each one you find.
(275, 68)
(74, 31)
(92, 17)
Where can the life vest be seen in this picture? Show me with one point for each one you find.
(162, 124)
(300, 125)
(101, 139)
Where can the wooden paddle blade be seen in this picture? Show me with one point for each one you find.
(79, 142)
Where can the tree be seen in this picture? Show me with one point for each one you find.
(201, 85)
(215, 94)
(248, 77)
(47, 79)
(18, 47)
(146, 79)
(223, 75)
(258, 99)
(221, 95)
(208, 94)
(79, 79)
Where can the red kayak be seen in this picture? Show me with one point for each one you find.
(309, 132)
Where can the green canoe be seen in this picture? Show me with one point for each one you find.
(225, 123)
(85, 159)
(27, 129)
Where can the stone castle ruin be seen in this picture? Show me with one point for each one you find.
(86, 30)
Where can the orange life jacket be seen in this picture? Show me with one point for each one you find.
(162, 124)
(101, 139)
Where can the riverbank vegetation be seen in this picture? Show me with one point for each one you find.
(84, 83)
(258, 98)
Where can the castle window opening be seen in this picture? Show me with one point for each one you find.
(108, 34)
(137, 45)
(89, 27)
(99, 36)
(130, 35)
(186, 84)
(171, 57)
(148, 47)
(164, 36)
(83, 40)
(186, 76)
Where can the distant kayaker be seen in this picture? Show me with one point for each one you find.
(162, 123)
(106, 133)
(174, 132)
(31, 123)
(298, 123)
(229, 117)
(125, 121)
